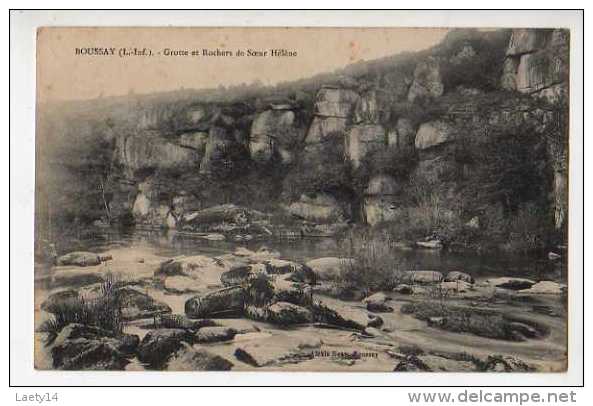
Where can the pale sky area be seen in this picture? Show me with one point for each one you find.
(64, 75)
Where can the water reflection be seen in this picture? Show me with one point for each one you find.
(171, 243)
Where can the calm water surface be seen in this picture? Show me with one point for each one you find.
(170, 244)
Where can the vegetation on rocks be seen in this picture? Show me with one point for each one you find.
(103, 312)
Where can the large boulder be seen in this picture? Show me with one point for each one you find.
(363, 139)
(223, 213)
(344, 316)
(214, 334)
(220, 303)
(180, 284)
(284, 313)
(330, 268)
(189, 358)
(268, 132)
(158, 345)
(135, 304)
(427, 80)
(335, 102)
(148, 151)
(81, 347)
(204, 269)
(241, 274)
(81, 258)
(286, 290)
(432, 134)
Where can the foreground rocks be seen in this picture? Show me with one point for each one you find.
(131, 302)
(275, 350)
(220, 303)
(285, 313)
(158, 345)
(189, 358)
(214, 334)
(80, 347)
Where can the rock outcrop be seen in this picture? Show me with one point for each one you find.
(367, 108)
(334, 101)
(269, 132)
(333, 113)
(379, 199)
(148, 152)
(427, 80)
(363, 139)
(402, 137)
(537, 62)
(432, 134)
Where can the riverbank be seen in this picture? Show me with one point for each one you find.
(403, 340)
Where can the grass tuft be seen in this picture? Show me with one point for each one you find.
(103, 312)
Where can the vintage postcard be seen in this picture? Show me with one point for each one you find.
(302, 199)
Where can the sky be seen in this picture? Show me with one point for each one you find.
(63, 73)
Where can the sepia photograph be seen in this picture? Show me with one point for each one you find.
(309, 199)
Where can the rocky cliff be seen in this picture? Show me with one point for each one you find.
(375, 145)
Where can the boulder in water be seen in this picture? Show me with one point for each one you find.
(220, 303)
(422, 277)
(82, 258)
(214, 334)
